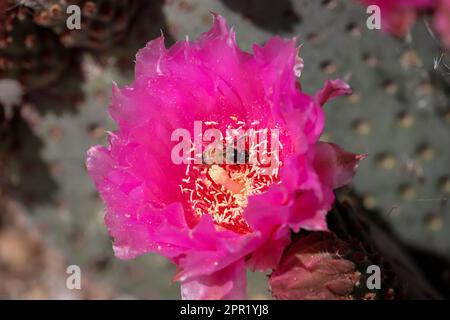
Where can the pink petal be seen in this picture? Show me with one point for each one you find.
(398, 16)
(332, 89)
(335, 166)
(228, 283)
(442, 21)
(148, 59)
(268, 254)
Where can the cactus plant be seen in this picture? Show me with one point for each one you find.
(103, 23)
(29, 53)
(398, 111)
(319, 266)
(338, 264)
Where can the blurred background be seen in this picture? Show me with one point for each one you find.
(55, 86)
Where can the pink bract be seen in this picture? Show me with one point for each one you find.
(398, 16)
(212, 79)
(442, 21)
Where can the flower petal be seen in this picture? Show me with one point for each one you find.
(228, 283)
(335, 166)
(442, 21)
(332, 89)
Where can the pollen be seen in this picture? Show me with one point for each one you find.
(222, 190)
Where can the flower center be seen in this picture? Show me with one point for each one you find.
(222, 189)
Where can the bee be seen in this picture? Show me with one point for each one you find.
(228, 155)
(213, 156)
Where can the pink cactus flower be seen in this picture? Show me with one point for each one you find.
(214, 220)
(398, 16)
(442, 21)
